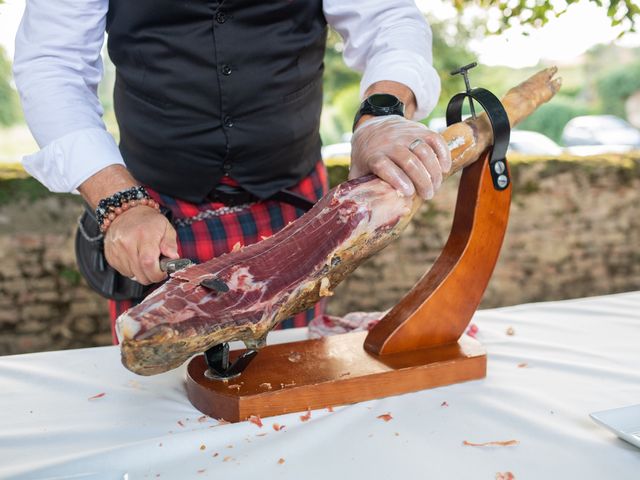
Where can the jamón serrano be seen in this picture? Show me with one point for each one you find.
(250, 291)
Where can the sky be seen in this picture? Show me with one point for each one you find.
(562, 40)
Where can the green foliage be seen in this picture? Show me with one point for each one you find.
(551, 117)
(71, 276)
(15, 189)
(449, 53)
(337, 75)
(341, 84)
(624, 13)
(10, 111)
(341, 92)
(615, 86)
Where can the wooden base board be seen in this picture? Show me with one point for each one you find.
(313, 374)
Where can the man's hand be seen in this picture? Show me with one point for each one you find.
(404, 153)
(136, 239)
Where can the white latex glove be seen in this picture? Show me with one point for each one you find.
(380, 145)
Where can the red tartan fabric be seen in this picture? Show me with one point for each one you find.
(204, 239)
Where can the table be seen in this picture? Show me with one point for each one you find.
(79, 414)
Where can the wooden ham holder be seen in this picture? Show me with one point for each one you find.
(419, 344)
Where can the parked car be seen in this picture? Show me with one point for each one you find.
(606, 130)
(532, 143)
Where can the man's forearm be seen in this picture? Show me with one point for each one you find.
(105, 183)
(401, 91)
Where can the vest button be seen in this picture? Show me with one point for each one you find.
(226, 70)
(228, 122)
(221, 17)
(226, 166)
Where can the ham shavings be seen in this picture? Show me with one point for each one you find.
(472, 331)
(385, 416)
(294, 357)
(306, 416)
(95, 397)
(256, 420)
(503, 443)
(505, 476)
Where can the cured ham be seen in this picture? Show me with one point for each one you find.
(244, 294)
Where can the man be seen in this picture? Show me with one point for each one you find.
(218, 104)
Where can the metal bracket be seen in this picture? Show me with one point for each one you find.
(464, 71)
(217, 359)
(499, 124)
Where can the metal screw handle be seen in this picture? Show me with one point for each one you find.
(464, 71)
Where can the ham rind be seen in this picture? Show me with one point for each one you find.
(290, 271)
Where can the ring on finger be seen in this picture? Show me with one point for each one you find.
(415, 144)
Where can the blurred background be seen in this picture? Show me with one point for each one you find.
(575, 227)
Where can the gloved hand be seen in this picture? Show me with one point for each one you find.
(404, 153)
(136, 239)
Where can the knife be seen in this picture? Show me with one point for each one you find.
(172, 265)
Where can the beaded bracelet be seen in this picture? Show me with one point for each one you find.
(109, 208)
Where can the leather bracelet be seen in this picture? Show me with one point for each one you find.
(109, 208)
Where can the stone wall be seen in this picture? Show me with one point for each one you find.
(574, 231)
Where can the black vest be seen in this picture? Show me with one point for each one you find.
(207, 88)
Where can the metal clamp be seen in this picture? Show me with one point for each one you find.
(220, 368)
(499, 125)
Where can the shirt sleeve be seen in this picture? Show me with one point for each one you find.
(388, 40)
(57, 68)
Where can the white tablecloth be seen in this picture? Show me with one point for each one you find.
(580, 355)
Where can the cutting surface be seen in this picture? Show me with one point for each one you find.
(80, 414)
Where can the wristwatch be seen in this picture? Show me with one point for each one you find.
(379, 104)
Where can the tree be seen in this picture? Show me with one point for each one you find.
(10, 112)
(617, 85)
(625, 13)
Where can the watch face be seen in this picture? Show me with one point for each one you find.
(383, 100)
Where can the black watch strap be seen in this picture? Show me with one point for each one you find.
(378, 105)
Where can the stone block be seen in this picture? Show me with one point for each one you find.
(9, 316)
(87, 309)
(31, 326)
(85, 325)
(14, 286)
(102, 339)
(38, 312)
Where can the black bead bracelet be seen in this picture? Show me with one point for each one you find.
(109, 208)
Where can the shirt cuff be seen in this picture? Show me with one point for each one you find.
(68, 161)
(411, 70)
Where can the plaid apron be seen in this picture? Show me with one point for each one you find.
(209, 229)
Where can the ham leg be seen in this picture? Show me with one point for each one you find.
(290, 271)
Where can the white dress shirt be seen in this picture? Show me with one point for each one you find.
(57, 68)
